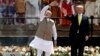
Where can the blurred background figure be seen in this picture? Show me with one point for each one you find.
(91, 10)
(97, 12)
(32, 11)
(9, 12)
(20, 11)
(66, 4)
(2, 7)
(55, 12)
(45, 2)
(12, 11)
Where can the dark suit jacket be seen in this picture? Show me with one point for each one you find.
(83, 28)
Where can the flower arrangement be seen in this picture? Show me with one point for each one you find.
(66, 51)
(24, 50)
(62, 51)
(58, 51)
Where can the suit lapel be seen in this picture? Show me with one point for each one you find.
(77, 19)
(77, 23)
(82, 19)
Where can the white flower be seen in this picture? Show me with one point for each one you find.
(4, 50)
(69, 53)
(97, 54)
(6, 47)
(69, 48)
(27, 54)
(86, 48)
(97, 47)
(92, 49)
(63, 49)
(59, 48)
(57, 53)
(22, 53)
(24, 49)
(55, 49)
(10, 49)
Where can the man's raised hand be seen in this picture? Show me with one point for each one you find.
(63, 10)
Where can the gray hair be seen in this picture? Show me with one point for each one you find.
(79, 6)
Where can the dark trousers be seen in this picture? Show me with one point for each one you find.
(77, 45)
(20, 18)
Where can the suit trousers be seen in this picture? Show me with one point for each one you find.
(77, 45)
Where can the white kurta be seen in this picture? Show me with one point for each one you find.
(32, 10)
(42, 44)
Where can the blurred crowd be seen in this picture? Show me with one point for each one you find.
(27, 11)
(91, 9)
(16, 11)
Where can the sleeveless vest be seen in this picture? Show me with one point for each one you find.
(44, 30)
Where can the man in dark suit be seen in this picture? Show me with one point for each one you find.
(79, 30)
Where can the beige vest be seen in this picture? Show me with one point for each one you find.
(44, 30)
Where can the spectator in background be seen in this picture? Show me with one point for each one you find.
(91, 10)
(32, 11)
(67, 4)
(12, 11)
(9, 12)
(2, 7)
(55, 12)
(20, 11)
(97, 12)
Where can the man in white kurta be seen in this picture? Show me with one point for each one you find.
(42, 43)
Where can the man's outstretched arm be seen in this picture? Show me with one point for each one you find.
(42, 14)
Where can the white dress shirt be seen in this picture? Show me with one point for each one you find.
(80, 15)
